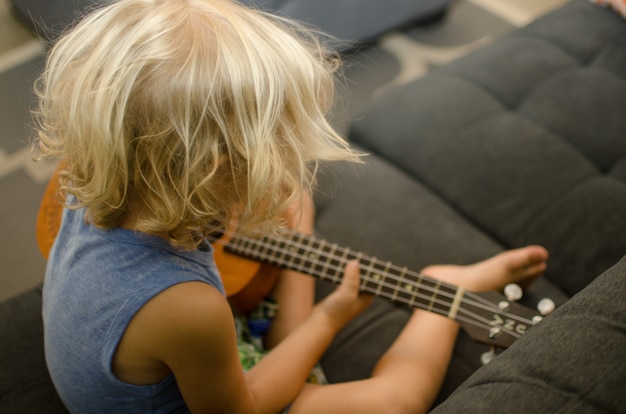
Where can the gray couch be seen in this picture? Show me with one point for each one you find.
(520, 142)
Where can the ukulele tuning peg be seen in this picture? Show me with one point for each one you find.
(513, 292)
(488, 356)
(545, 306)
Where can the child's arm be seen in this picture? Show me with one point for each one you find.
(314, 335)
(294, 292)
(190, 328)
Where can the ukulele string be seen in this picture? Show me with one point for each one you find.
(301, 259)
(333, 272)
(274, 251)
(300, 254)
(304, 258)
(307, 243)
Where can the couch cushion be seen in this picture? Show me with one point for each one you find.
(572, 362)
(523, 138)
(380, 210)
(517, 143)
(25, 386)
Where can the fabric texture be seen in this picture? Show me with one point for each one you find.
(520, 142)
(251, 332)
(572, 362)
(96, 281)
(618, 5)
(25, 385)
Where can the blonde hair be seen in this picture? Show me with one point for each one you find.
(191, 110)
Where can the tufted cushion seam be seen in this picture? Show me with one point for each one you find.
(582, 60)
(482, 87)
(578, 62)
(477, 85)
(613, 172)
(592, 63)
(497, 97)
(558, 200)
(547, 127)
(621, 180)
(574, 10)
(515, 110)
(455, 207)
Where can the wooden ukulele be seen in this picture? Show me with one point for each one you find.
(488, 317)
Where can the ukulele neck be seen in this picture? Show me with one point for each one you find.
(327, 261)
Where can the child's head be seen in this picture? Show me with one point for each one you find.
(178, 111)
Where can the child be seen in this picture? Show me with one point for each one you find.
(175, 117)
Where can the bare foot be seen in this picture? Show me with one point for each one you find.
(521, 266)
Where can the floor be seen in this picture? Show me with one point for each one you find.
(397, 58)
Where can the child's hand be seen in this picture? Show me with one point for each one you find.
(346, 302)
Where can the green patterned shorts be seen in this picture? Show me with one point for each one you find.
(250, 332)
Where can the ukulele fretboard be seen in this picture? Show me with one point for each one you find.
(487, 316)
(327, 261)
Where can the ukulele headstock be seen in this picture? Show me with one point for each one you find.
(492, 319)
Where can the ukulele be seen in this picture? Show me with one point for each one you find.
(487, 317)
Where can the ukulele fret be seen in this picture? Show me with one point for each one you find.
(303, 253)
(317, 258)
(280, 251)
(325, 254)
(402, 286)
(295, 261)
(397, 286)
(381, 278)
(342, 262)
(411, 293)
(456, 303)
(258, 249)
(363, 280)
(433, 297)
(244, 247)
(283, 254)
(369, 277)
(415, 294)
(320, 259)
(321, 267)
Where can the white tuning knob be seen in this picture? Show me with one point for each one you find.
(513, 292)
(487, 357)
(545, 306)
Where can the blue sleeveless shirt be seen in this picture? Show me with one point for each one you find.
(96, 281)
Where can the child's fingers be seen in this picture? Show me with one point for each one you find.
(346, 302)
(351, 278)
